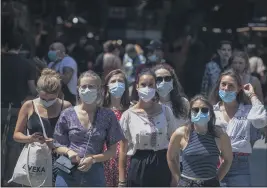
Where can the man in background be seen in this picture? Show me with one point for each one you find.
(18, 77)
(66, 66)
(216, 66)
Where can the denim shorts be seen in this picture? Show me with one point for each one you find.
(239, 173)
(94, 177)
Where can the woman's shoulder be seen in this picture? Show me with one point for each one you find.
(180, 131)
(68, 111)
(66, 104)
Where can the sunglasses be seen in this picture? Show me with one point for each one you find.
(203, 110)
(165, 78)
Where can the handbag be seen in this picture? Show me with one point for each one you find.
(64, 163)
(34, 166)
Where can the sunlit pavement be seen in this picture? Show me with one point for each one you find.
(259, 164)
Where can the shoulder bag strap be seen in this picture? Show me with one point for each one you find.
(28, 150)
(41, 121)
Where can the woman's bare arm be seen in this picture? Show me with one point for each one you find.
(173, 152)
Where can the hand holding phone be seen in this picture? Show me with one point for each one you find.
(37, 137)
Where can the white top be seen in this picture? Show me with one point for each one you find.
(181, 121)
(256, 64)
(238, 128)
(148, 133)
(68, 62)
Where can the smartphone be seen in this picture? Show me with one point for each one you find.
(39, 133)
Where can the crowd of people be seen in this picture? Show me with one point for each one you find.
(126, 121)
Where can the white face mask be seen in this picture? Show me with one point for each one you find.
(146, 93)
(88, 96)
(164, 88)
(47, 103)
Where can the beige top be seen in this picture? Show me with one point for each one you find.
(148, 133)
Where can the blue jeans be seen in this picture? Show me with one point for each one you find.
(239, 173)
(94, 177)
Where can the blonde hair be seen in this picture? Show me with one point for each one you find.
(92, 74)
(49, 82)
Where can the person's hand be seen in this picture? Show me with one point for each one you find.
(85, 164)
(37, 137)
(248, 90)
(73, 156)
(49, 142)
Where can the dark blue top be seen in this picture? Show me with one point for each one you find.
(200, 157)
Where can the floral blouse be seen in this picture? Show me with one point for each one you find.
(148, 132)
(69, 132)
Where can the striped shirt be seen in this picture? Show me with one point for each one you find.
(238, 128)
(200, 156)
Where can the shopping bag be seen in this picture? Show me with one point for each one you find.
(34, 166)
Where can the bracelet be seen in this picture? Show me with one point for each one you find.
(122, 182)
(252, 95)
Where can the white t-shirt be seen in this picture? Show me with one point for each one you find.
(68, 62)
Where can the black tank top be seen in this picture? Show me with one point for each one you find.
(200, 157)
(34, 124)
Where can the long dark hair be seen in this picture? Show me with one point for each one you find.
(214, 95)
(211, 123)
(125, 99)
(177, 94)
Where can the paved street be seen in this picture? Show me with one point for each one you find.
(259, 164)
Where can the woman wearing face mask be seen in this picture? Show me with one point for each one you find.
(201, 142)
(117, 99)
(236, 119)
(49, 107)
(240, 63)
(171, 93)
(81, 133)
(147, 127)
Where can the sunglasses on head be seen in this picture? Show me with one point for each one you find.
(203, 110)
(165, 78)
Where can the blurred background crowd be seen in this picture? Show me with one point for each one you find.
(189, 30)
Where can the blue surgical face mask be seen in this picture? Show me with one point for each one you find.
(52, 55)
(200, 118)
(117, 89)
(227, 96)
(47, 104)
(152, 58)
(164, 88)
(88, 96)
